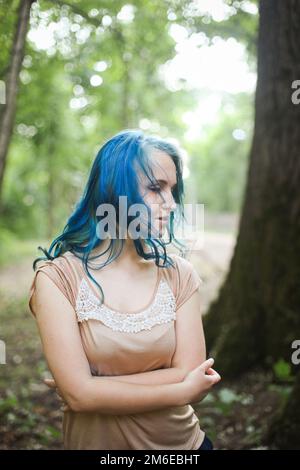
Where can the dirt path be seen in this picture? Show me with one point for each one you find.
(211, 261)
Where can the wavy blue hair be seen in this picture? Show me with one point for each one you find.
(114, 174)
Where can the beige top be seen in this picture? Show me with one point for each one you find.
(117, 343)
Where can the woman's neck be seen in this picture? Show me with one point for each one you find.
(128, 259)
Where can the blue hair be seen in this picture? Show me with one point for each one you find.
(114, 174)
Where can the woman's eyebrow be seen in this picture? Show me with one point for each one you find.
(166, 182)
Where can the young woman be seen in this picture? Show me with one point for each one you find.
(119, 317)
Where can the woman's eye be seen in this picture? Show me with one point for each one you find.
(156, 189)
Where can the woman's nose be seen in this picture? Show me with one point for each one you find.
(169, 202)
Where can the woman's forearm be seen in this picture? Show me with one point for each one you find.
(112, 397)
(170, 375)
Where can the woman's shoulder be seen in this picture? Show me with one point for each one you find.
(184, 278)
(57, 261)
(182, 265)
(61, 272)
(177, 268)
(66, 261)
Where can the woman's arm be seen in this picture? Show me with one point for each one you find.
(171, 375)
(190, 340)
(108, 396)
(69, 366)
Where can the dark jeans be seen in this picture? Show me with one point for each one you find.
(206, 444)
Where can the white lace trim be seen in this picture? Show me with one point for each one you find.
(161, 310)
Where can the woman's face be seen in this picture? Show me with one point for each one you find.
(158, 196)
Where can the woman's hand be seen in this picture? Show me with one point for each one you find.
(52, 384)
(199, 381)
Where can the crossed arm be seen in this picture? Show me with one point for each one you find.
(140, 392)
(190, 348)
(169, 375)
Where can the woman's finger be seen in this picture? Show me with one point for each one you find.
(65, 408)
(214, 377)
(211, 371)
(50, 383)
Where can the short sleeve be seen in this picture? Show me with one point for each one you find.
(187, 281)
(58, 271)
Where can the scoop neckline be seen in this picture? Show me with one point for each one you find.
(104, 304)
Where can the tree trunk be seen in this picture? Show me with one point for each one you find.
(256, 317)
(11, 84)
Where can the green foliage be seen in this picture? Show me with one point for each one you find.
(30, 416)
(219, 161)
(283, 371)
(62, 119)
(225, 399)
(14, 248)
(7, 20)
